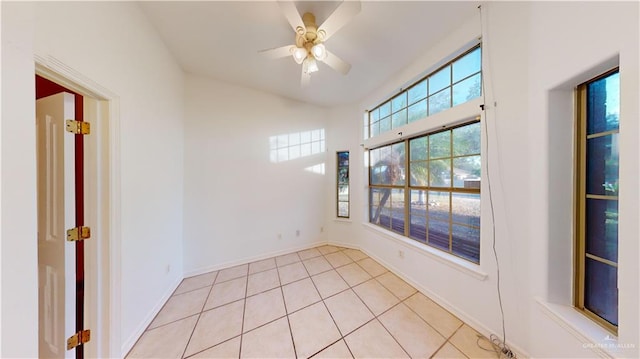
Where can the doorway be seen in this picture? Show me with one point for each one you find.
(101, 190)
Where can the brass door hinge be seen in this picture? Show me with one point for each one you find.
(78, 127)
(78, 234)
(78, 339)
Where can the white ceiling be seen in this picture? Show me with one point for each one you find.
(221, 40)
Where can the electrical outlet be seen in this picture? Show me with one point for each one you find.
(297, 233)
(168, 268)
(401, 253)
(321, 229)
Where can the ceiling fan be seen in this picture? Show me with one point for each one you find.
(309, 45)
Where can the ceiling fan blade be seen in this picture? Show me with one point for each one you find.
(293, 16)
(342, 15)
(305, 78)
(337, 63)
(277, 52)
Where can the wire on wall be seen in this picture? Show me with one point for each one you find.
(497, 344)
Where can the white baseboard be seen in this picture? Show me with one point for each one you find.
(467, 319)
(246, 260)
(133, 338)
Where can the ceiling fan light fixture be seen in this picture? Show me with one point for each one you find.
(319, 52)
(299, 54)
(309, 65)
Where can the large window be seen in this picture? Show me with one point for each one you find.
(428, 188)
(597, 199)
(454, 83)
(343, 184)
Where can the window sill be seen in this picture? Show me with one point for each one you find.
(591, 335)
(343, 220)
(432, 253)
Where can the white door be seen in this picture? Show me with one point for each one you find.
(56, 214)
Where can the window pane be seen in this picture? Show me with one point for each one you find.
(397, 161)
(343, 159)
(380, 206)
(388, 165)
(418, 228)
(343, 175)
(465, 209)
(440, 145)
(399, 102)
(601, 292)
(440, 101)
(418, 92)
(385, 124)
(602, 228)
(465, 242)
(440, 80)
(343, 209)
(602, 165)
(343, 193)
(603, 104)
(467, 65)
(418, 173)
(466, 90)
(466, 140)
(397, 210)
(375, 129)
(418, 148)
(374, 115)
(466, 172)
(440, 173)
(385, 109)
(439, 206)
(439, 234)
(418, 111)
(399, 118)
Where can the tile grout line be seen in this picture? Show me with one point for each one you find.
(244, 308)
(330, 314)
(184, 352)
(339, 250)
(286, 314)
(326, 308)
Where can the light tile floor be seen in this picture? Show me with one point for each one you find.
(324, 302)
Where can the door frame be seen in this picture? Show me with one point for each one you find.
(102, 204)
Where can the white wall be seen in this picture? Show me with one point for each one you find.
(19, 252)
(535, 54)
(236, 200)
(114, 45)
(577, 42)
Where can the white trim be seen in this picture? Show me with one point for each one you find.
(107, 335)
(342, 220)
(450, 117)
(468, 320)
(452, 261)
(137, 334)
(247, 260)
(592, 335)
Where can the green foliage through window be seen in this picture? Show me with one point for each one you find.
(433, 196)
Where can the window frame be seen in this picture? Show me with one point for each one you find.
(369, 125)
(407, 187)
(338, 184)
(580, 193)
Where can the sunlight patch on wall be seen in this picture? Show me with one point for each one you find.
(319, 169)
(290, 146)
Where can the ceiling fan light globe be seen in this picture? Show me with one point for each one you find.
(299, 54)
(319, 52)
(309, 65)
